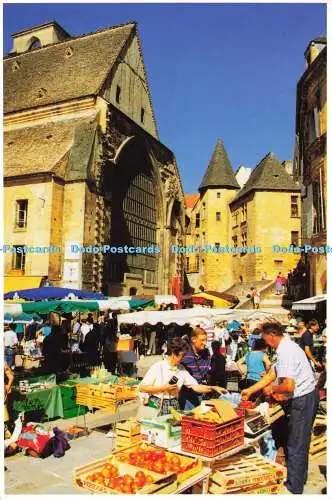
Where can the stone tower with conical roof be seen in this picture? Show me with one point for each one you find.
(210, 225)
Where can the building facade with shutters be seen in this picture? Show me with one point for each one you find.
(242, 217)
(84, 166)
(310, 165)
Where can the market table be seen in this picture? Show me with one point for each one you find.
(48, 399)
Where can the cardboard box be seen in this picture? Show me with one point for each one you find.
(160, 432)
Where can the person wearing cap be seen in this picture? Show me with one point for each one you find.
(296, 391)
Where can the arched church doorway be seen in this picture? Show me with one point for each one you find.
(133, 215)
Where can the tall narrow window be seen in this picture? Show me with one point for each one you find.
(197, 220)
(314, 125)
(244, 212)
(203, 239)
(218, 216)
(21, 214)
(118, 94)
(203, 211)
(187, 264)
(142, 115)
(295, 238)
(18, 262)
(197, 240)
(294, 206)
(218, 195)
(318, 207)
(196, 263)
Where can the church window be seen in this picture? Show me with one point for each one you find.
(197, 220)
(294, 206)
(118, 94)
(16, 65)
(218, 216)
(68, 52)
(18, 262)
(142, 115)
(35, 44)
(21, 214)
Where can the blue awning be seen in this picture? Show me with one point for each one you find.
(53, 293)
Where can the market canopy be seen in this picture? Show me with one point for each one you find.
(52, 292)
(64, 306)
(195, 316)
(23, 318)
(309, 304)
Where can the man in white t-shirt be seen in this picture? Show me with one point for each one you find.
(296, 391)
(165, 378)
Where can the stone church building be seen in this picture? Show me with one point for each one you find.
(84, 165)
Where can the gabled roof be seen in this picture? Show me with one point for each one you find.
(47, 75)
(219, 172)
(268, 175)
(190, 200)
(60, 148)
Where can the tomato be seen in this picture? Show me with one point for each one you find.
(139, 474)
(175, 460)
(160, 454)
(105, 471)
(112, 483)
(126, 489)
(149, 479)
(128, 479)
(159, 467)
(114, 471)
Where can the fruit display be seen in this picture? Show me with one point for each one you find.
(111, 476)
(160, 461)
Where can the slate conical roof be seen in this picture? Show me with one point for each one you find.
(268, 175)
(219, 172)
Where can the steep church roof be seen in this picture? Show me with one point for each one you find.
(68, 69)
(219, 172)
(59, 148)
(268, 175)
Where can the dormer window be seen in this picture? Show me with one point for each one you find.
(68, 52)
(142, 115)
(118, 94)
(16, 66)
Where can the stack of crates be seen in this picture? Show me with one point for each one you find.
(70, 406)
(247, 474)
(210, 439)
(127, 433)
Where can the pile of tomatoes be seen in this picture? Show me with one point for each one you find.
(157, 461)
(109, 476)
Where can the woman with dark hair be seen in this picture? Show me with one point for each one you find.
(257, 361)
(55, 351)
(165, 378)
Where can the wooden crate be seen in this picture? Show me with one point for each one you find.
(241, 471)
(81, 478)
(265, 489)
(318, 446)
(103, 396)
(128, 429)
(192, 465)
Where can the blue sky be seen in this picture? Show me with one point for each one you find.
(224, 71)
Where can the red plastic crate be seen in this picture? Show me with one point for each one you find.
(210, 439)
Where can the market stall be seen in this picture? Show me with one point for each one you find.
(206, 451)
